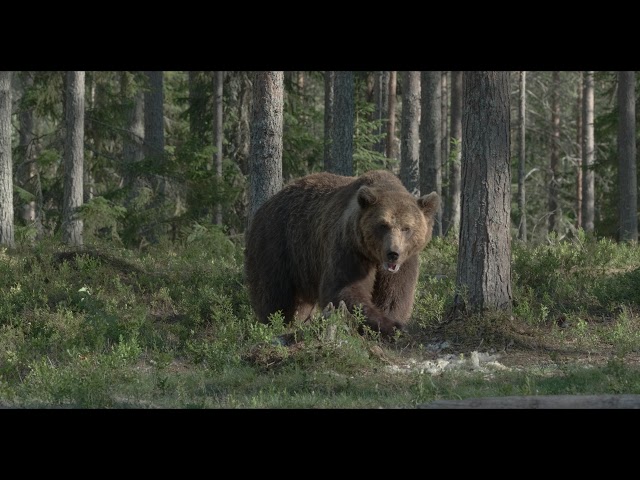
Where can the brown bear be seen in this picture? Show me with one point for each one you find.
(326, 238)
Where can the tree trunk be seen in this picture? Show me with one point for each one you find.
(6, 168)
(588, 155)
(522, 118)
(265, 159)
(554, 206)
(218, 131)
(88, 189)
(444, 146)
(154, 128)
(579, 154)
(430, 136)
(391, 126)
(455, 180)
(627, 170)
(133, 139)
(410, 150)
(72, 227)
(484, 257)
(381, 112)
(343, 124)
(154, 116)
(329, 106)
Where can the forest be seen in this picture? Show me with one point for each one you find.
(125, 196)
(162, 152)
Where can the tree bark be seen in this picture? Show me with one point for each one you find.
(381, 112)
(444, 145)
(154, 128)
(265, 159)
(6, 166)
(554, 206)
(522, 119)
(430, 136)
(72, 227)
(410, 150)
(588, 155)
(154, 116)
(484, 256)
(133, 139)
(329, 106)
(218, 131)
(455, 176)
(343, 124)
(391, 125)
(579, 153)
(627, 170)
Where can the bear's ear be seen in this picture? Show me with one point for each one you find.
(366, 196)
(429, 204)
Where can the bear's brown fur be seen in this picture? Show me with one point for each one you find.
(326, 238)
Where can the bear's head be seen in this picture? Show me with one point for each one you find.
(394, 226)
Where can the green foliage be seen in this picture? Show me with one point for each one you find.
(302, 138)
(365, 157)
(101, 219)
(172, 327)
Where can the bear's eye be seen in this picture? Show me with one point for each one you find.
(382, 228)
(406, 229)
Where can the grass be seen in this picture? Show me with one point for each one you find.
(172, 328)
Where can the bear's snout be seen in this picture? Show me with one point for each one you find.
(392, 256)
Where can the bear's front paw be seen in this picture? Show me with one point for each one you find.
(385, 325)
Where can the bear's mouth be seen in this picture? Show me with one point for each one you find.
(391, 267)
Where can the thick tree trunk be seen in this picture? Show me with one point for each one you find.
(410, 150)
(265, 159)
(343, 124)
(455, 180)
(6, 168)
(72, 227)
(484, 256)
(554, 206)
(588, 155)
(522, 119)
(329, 106)
(627, 170)
(430, 139)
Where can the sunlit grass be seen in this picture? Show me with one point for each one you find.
(172, 328)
